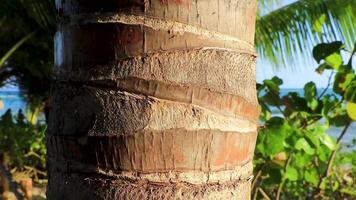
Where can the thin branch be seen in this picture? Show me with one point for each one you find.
(258, 175)
(327, 87)
(264, 194)
(280, 187)
(327, 172)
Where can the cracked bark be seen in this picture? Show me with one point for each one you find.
(153, 100)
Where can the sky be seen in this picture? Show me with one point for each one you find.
(297, 76)
(293, 77)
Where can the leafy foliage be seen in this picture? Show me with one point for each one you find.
(26, 46)
(294, 155)
(22, 144)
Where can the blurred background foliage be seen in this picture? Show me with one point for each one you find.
(26, 48)
(295, 157)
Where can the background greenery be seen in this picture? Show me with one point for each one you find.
(295, 158)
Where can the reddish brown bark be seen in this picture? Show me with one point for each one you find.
(153, 100)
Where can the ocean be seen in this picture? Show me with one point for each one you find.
(13, 100)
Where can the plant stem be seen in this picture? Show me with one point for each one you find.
(280, 187)
(327, 172)
(327, 87)
(259, 173)
(264, 194)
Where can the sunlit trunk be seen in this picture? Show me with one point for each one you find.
(153, 99)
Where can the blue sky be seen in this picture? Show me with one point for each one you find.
(293, 77)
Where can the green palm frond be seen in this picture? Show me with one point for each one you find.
(13, 49)
(292, 31)
(265, 6)
(42, 11)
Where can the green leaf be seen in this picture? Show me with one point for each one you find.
(322, 68)
(334, 60)
(348, 80)
(323, 153)
(322, 51)
(274, 176)
(310, 94)
(351, 110)
(339, 120)
(328, 141)
(302, 159)
(314, 138)
(350, 94)
(302, 144)
(273, 84)
(271, 139)
(277, 80)
(311, 176)
(310, 90)
(291, 174)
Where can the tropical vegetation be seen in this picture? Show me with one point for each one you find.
(295, 157)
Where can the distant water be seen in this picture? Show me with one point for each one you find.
(13, 100)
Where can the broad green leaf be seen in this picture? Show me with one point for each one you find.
(340, 79)
(314, 138)
(310, 91)
(323, 153)
(335, 186)
(328, 141)
(291, 174)
(339, 120)
(303, 144)
(275, 140)
(348, 80)
(334, 60)
(321, 51)
(277, 80)
(274, 176)
(328, 104)
(322, 68)
(351, 110)
(313, 104)
(302, 159)
(311, 176)
(273, 84)
(274, 136)
(350, 94)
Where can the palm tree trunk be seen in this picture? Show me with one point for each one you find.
(153, 99)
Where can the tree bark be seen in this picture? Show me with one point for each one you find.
(153, 99)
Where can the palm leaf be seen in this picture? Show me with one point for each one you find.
(42, 11)
(291, 32)
(13, 49)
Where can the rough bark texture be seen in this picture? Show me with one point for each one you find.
(153, 99)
